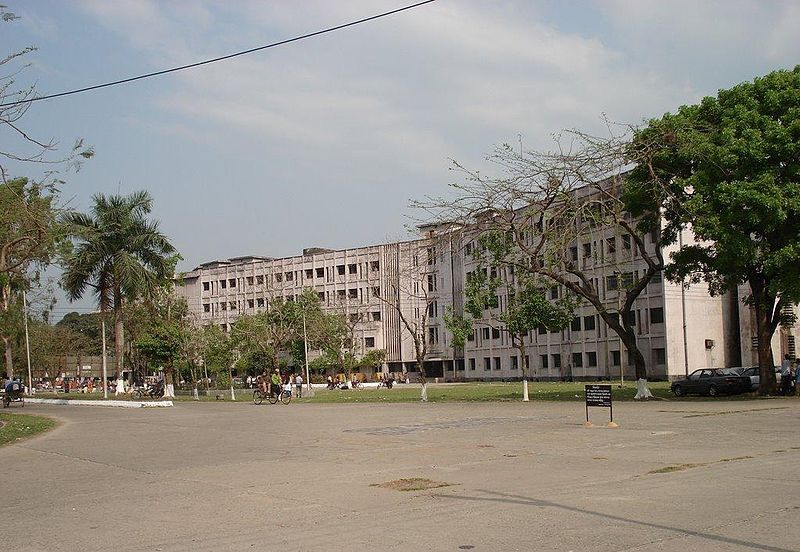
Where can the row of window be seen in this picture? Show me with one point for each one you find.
(578, 360)
(279, 277)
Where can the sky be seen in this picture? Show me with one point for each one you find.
(323, 142)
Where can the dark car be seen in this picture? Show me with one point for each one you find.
(754, 373)
(711, 381)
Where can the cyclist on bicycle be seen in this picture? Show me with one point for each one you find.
(275, 382)
(263, 380)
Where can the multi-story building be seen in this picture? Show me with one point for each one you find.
(678, 328)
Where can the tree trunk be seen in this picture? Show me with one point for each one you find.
(422, 379)
(523, 361)
(9, 357)
(763, 305)
(119, 343)
(193, 372)
(230, 379)
(169, 381)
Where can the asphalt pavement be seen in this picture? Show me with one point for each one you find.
(675, 476)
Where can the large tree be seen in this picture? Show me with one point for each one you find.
(563, 212)
(728, 168)
(120, 255)
(29, 238)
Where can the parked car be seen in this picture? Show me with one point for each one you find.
(711, 381)
(754, 374)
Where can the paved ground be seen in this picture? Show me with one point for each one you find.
(221, 476)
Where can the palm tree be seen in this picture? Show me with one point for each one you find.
(119, 254)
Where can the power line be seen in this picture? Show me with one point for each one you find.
(214, 60)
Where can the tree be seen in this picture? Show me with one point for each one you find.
(219, 353)
(551, 206)
(728, 169)
(120, 255)
(87, 325)
(526, 305)
(29, 238)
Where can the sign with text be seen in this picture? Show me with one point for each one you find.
(599, 395)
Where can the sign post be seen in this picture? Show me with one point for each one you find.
(599, 396)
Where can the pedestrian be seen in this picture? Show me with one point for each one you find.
(298, 385)
(786, 375)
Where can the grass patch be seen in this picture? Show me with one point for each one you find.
(478, 392)
(411, 484)
(21, 426)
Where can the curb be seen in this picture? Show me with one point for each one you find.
(120, 404)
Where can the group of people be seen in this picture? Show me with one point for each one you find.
(274, 382)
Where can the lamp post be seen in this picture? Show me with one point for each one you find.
(309, 389)
(105, 367)
(27, 339)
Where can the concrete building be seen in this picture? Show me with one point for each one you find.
(678, 329)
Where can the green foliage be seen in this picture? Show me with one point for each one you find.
(372, 360)
(730, 166)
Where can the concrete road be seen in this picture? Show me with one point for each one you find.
(222, 476)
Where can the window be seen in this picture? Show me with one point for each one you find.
(630, 318)
(660, 356)
(223, 284)
(260, 302)
(376, 292)
(352, 268)
(657, 315)
(626, 241)
(588, 322)
(573, 253)
(251, 303)
(321, 295)
(206, 307)
(472, 364)
(309, 273)
(587, 250)
(575, 325)
(497, 365)
(289, 276)
(433, 336)
(369, 342)
(431, 282)
(279, 277)
(223, 327)
(554, 292)
(543, 362)
(577, 360)
(431, 255)
(223, 306)
(611, 283)
(626, 279)
(341, 293)
(615, 358)
(233, 305)
(487, 363)
(471, 336)
(352, 293)
(320, 272)
(355, 317)
(514, 363)
(340, 270)
(260, 280)
(206, 286)
(485, 333)
(541, 330)
(375, 266)
(495, 333)
(232, 282)
(611, 245)
(376, 316)
(556, 361)
(591, 359)
(433, 310)
(657, 277)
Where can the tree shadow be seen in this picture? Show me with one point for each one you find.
(527, 501)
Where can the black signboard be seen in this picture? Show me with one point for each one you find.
(599, 395)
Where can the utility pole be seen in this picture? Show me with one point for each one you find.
(309, 389)
(105, 366)
(27, 339)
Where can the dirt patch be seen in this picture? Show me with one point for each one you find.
(681, 467)
(411, 484)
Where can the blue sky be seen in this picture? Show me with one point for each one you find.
(323, 142)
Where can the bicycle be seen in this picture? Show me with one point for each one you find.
(282, 395)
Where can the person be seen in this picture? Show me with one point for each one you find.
(330, 382)
(262, 380)
(786, 375)
(7, 383)
(298, 384)
(275, 382)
